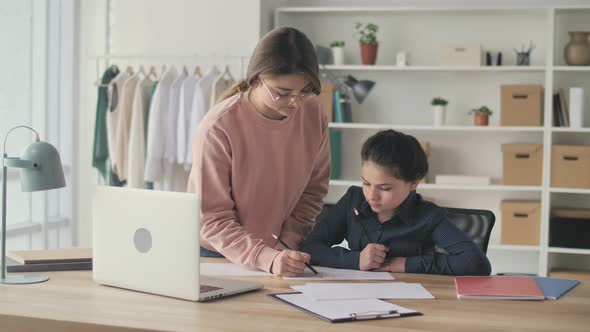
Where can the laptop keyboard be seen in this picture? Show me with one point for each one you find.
(207, 288)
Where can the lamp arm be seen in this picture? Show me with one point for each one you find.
(10, 162)
(6, 137)
(20, 163)
(333, 78)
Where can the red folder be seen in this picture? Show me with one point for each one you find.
(500, 288)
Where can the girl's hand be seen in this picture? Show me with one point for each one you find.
(372, 256)
(289, 263)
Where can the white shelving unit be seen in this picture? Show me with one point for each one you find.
(352, 125)
(453, 69)
(401, 101)
(432, 186)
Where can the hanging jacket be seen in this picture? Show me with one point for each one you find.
(100, 151)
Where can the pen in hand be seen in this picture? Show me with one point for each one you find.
(286, 246)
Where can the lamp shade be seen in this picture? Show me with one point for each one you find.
(47, 172)
(360, 89)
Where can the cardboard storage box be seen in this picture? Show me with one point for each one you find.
(522, 164)
(570, 166)
(521, 222)
(521, 105)
(569, 228)
(461, 55)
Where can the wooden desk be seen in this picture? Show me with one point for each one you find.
(71, 301)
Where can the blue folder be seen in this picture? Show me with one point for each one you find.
(554, 288)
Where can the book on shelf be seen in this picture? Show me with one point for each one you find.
(557, 120)
(563, 108)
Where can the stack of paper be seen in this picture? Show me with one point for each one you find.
(325, 273)
(355, 291)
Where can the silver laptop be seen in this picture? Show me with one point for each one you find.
(148, 241)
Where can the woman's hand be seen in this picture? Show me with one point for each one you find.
(396, 264)
(289, 263)
(372, 256)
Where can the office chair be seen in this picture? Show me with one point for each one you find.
(477, 224)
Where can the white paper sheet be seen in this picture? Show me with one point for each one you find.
(327, 273)
(343, 309)
(350, 291)
(230, 269)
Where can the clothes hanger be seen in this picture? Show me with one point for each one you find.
(197, 71)
(152, 72)
(227, 73)
(129, 70)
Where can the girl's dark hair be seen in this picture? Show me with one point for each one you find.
(281, 51)
(400, 153)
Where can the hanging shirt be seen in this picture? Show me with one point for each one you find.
(100, 150)
(136, 163)
(201, 101)
(115, 93)
(172, 115)
(220, 85)
(122, 135)
(157, 124)
(148, 184)
(187, 92)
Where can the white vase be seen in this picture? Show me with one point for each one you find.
(438, 115)
(338, 55)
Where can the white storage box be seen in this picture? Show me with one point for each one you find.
(461, 55)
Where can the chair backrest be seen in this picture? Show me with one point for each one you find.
(477, 224)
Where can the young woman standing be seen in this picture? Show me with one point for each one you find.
(261, 159)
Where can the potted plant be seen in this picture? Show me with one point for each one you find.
(368, 39)
(481, 115)
(439, 109)
(337, 47)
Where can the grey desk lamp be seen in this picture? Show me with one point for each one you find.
(40, 170)
(360, 89)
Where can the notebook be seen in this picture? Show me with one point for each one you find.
(498, 287)
(12, 266)
(61, 255)
(339, 311)
(554, 288)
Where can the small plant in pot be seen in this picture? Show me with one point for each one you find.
(438, 110)
(337, 47)
(481, 115)
(368, 39)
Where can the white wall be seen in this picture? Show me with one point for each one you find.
(183, 27)
(37, 89)
(15, 98)
(220, 27)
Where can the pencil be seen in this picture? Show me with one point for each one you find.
(286, 246)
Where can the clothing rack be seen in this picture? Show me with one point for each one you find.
(103, 61)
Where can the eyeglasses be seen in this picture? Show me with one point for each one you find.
(289, 99)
